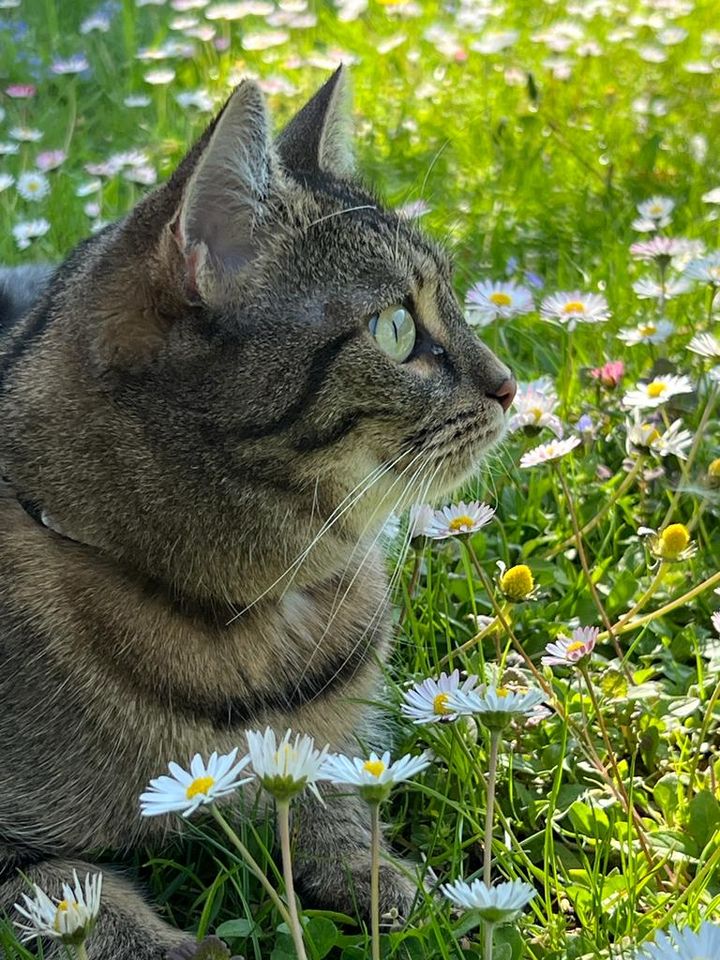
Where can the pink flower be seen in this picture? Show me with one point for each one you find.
(567, 651)
(50, 159)
(20, 91)
(610, 374)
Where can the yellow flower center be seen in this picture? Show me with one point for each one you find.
(502, 691)
(440, 704)
(199, 785)
(656, 389)
(653, 433)
(714, 469)
(574, 306)
(457, 523)
(536, 412)
(500, 299)
(647, 329)
(575, 646)
(517, 582)
(673, 540)
(61, 908)
(656, 209)
(374, 767)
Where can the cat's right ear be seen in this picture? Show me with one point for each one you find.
(224, 202)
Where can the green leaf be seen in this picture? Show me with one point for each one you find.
(322, 934)
(589, 821)
(509, 937)
(239, 929)
(703, 818)
(667, 796)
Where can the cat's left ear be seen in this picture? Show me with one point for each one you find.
(319, 137)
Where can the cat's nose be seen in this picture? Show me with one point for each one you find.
(505, 393)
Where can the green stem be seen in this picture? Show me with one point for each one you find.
(488, 948)
(654, 584)
(252, 863)
(594, 521)
(490, 810)
(283, 812)
(694, 449)
(472, 642)
(81, 951)
(375, 879)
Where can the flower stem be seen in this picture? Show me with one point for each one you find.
(586, 569)
(469, 644)
(654, 584)
(283, 811)
(594, 521)
(490, 810)
(252, 863)
(375, 879)
(488, 948)
(80, 951)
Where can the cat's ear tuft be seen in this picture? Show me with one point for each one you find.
(319, 137)
(225, 199)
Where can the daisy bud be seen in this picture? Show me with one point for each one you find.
(714, 473)
(673, 541)
(517, 583)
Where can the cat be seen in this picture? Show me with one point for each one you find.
(206, 416)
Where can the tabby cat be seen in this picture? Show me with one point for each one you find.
(205, 418)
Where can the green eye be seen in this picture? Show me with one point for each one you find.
(394, 332)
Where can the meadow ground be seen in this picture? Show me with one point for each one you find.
(526, 135)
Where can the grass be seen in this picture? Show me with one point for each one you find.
(610, 806)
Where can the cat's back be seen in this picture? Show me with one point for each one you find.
(20, 288)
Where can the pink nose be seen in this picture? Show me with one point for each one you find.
(505, 393)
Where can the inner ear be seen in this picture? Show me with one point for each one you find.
(319, 137)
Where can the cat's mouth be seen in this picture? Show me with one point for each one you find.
(452, 450)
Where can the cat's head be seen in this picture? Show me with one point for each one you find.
(257, 344)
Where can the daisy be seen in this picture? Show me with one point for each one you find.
(642, 225)
(26, 134)
(706, 269)
(705, 345)
(159, 77)
(21, 91)
(566, 651)
(535, 404)
(6, 180)
(496, 706)
(658, 391)
(76, 64)
(648, 288)
(656, 208)
(575, 307)
(662, 249)
(716, 621)
(647, 332)
(7, 149)
(516, 583)
(684, 944)
(712, 196)
(674, 441)
(490, 300)
(459, 518)
(285, 768)
(69, 919)
(672, 544)
(420, 520)
(33, 186)
(610, 374)
(28, 230)
(548, 451)
(426, 702)
(499, 904)
(134, 100)
(50, 160)
(375, 777)
(184, 791)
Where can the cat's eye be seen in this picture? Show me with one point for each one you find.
(394, 332)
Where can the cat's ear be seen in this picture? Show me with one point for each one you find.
(319, 137)
(225, 199)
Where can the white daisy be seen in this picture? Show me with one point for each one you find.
(6, 149)
(184, 791)
(706, 269)
(535, 404)
(285, 768)
(647, 332)
(674, 441)
(549, 451)
(375, 777)
(712, 196)
(647, 288)
(491, 300)
(28, 230)
(659, 248)
(499, 904)
(70, 919)
(684, 944)
(134, 100)
(6, 180)
(643, 225)
(25, 134)
(33, 186)
(460, 518)
(496, 706)
(706, 345)
(426, 702)
(575, 307)
(658, 391)
(420, 520)
(566, 651)
(159, 77)
(656, 208)
(716, 621)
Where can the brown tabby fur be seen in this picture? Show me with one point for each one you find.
(191, 399)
